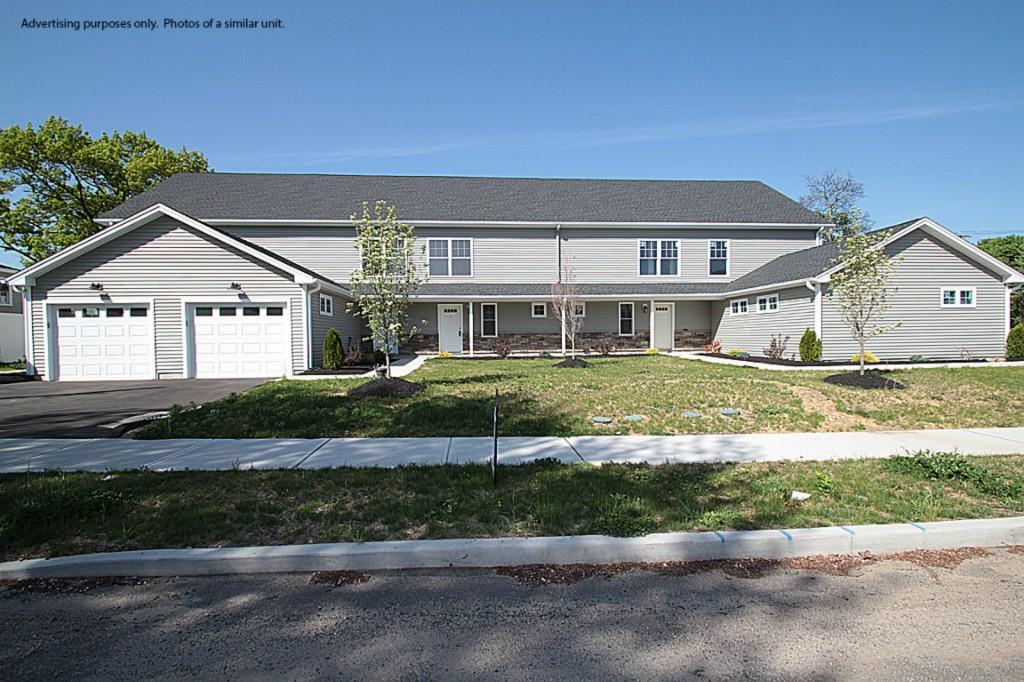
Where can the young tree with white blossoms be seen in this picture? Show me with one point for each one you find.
(389, 276)
(860, 287)
(568, 306)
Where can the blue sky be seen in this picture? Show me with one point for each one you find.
(921, 101)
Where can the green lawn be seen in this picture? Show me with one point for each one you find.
(541, 400)
(48, 514)
(11, 365)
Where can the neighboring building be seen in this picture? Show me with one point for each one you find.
(12, 329)
(228, 275)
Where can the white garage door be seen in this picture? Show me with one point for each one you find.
(103, 342)
(238, 340)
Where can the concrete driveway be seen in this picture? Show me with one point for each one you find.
(32, 409)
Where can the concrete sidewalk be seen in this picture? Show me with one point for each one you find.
(104, 454)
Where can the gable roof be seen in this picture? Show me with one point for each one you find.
(285, 198)
(818, 262)
(299, 273)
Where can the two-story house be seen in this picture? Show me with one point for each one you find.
(235, 275)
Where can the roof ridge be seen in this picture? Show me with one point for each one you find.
(472, 177)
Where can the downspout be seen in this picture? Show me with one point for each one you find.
(558, 252)
(26, 306)
(309, 323)
(816, 288)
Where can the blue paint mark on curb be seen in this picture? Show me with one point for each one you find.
(720, 536)
(786, 533)
(919, 527)
(847, 530)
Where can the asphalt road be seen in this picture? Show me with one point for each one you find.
(78, 409)
(893, 620)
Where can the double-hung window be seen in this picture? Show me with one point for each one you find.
(5, 294)
(625, 319)
(488, 320)
(659, 257)
(450, 257)
(718, 257)
(768, 303)
(738, 306)
(326, 305)
(958, 297)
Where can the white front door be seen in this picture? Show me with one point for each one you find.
(103, 342)
(664, 325)
(238, 340)
(449, 328)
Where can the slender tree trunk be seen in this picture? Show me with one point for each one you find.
(862, 356)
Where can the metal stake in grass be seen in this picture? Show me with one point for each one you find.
(494, 455)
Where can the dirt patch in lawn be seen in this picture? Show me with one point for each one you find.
(387, 388)
(816, 401)
(869, 380)
(572, 362)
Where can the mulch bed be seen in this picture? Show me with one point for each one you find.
(69, 585)
(387, 388)
(572, 362)
(870, 380)
(537, 575)
(344, 371)
(338, 578)
(15, 377)
(832, 363)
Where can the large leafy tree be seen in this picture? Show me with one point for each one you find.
(389, 276)
(1010, 250)
(55, 179)
(860, 288)
(834, 196)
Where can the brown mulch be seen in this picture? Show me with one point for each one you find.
(338, 578)
(69, 585)
(572, 362)
(387, 388)
(1015, 549)
(870, 380)
(832, 564)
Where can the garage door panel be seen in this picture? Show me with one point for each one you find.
(102, 343)
(224, 345)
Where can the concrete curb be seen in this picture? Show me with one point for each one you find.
(489, 552)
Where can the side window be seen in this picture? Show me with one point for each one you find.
(326, 305)
(956, 297)
(738, 306)
(5, 294)
(768, 304)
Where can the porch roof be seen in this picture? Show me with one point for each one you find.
(482, 291)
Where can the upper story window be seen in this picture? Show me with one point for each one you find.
(5, 294)
(718, 257)
(958, 297)
(539, 309)
(326, 305)
(738, 306)
(768, 303)
(659, 257)
(394, 256)
(450, 257)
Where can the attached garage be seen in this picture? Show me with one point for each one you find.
(237, 339)
(92, 342)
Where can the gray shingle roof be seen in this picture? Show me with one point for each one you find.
(212, 196)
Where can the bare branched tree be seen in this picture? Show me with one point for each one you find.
(567, 305)
(834, 195)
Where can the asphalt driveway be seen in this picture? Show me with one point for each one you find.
(79, 409)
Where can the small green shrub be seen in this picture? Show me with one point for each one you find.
(1015, 342)
(949, 466)
(810, 346)
(334, 354)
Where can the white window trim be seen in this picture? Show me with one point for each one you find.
(582, 303)
(768, 297)
(330, 305)
(8, 301)
(618, 309)
(679, 257)
(957, 303)
(737, 300)
(533, 311)
(472, 253)
(728, 257)
(495, 334)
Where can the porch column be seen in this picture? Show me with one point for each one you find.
(471, 328)
(650, 332)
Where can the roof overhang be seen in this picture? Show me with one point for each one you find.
(28, 276)
(950, 239)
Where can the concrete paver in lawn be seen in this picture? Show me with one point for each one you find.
(254, 453)
(378, 452)
(99, 455)
(511, 450)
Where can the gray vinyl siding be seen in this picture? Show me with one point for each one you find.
(926, 327)
(166, 261)
(499, 255)
(753, 332)
(605, 255)
(349, 328)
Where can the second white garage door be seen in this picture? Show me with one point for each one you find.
(238, 340)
